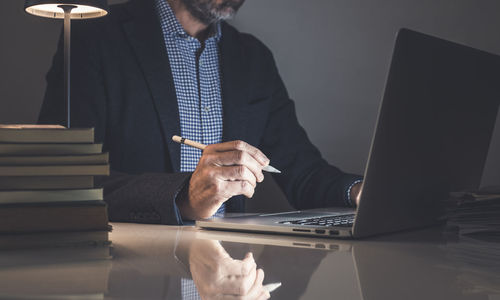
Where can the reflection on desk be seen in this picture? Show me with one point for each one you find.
(168, 262)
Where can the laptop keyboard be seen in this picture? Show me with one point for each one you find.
(342, 220)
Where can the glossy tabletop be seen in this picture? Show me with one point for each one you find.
(169, 262)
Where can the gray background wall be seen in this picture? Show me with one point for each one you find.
(333, 56)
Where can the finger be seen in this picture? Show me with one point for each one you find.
(265, 295)
(248, 264)
(262, 296)
(238, 157)
(239, 145)
(256, 290)
(233, 173)
(358, 197)
(238, 285)
(234, 188)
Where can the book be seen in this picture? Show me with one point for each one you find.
(47, 196)
(49, 149)
(64, 273)
(54, 239)
(47, 160)
(46, 182)
(26, 133)
(33, 257)
(57, 216)
(54, 170)
(476, 260)
(474, 212)
(44, 257)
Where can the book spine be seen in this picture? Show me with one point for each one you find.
(49, 149)
(46, 182)
(44, 196)
(73, 135)
(55, 160)
(55, 218)
(54, 170)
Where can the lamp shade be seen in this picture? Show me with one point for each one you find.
(83, 9)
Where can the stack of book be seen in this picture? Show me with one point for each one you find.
(473, 239)
(47, 193)
(475, 212)
(476, 258)
(76, 280)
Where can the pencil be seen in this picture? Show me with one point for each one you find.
(201, 146)
(271, 287)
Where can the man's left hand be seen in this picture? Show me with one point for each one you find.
(356, 193)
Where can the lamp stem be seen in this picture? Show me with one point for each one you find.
(67, 58)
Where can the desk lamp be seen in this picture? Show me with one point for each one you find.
(67, 10)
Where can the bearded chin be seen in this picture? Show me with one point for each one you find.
(208, 13)
(224, 14)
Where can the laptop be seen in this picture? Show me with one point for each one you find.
(432, 137)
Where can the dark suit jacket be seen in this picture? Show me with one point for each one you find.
(122, 85)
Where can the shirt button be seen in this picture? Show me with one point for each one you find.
(206, 108)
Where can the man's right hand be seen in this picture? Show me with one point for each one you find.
(223, 171)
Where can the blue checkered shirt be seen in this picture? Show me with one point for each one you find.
(195, 70)
(196, 74)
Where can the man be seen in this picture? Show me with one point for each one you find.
(156, 68)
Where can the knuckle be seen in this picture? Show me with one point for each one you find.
(208, 173)
(243, 184)
(252, 180)
(240, 171)
(207, 160)
(256, 152)
(240, 145)
(247, 188)
(204, 159)
(239, 156)
(207, 156)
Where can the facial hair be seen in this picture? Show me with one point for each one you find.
(209, 12)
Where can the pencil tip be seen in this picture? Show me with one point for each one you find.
(271, 169)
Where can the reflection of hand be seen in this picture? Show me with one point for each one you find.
(218, 276)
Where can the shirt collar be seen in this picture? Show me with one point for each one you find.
(170, 25)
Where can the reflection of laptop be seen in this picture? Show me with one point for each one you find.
(432, 137)
(271, 240)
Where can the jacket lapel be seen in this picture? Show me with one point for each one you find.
(144, 34)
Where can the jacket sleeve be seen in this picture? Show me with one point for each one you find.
(141, 198)
(307, 179)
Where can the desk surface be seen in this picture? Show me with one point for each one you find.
(149, 262)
